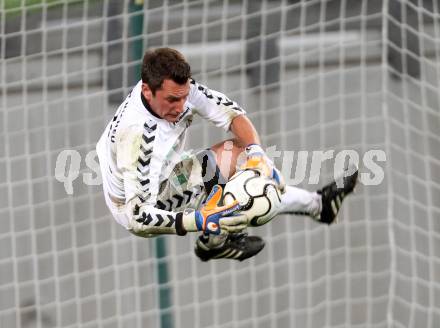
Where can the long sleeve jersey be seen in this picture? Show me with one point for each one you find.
(138, 151)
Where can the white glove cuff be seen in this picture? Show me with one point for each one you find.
(254, 150)
(189, 221)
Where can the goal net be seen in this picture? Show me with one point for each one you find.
(320, 79)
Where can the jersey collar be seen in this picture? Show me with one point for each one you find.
(148, 107)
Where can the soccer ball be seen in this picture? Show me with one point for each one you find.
(258, 194)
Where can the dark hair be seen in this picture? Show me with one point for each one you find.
(164, 63)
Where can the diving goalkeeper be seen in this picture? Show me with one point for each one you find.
(153, 187)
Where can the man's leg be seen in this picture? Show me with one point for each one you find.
(322, 205)
(220, 161)
(300, 201)
(188, 186)
(226, 155)
(217, 165)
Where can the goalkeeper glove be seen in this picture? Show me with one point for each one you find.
(256, 159)
(214, 219)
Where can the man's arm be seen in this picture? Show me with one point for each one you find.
(247, 137)
(227, 114)
(217, 108)
(147, 221)
(133, 156)
(214, 106)
(244, 131)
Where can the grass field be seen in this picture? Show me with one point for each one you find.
(15, 5)
(18, 4)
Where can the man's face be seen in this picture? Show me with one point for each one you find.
(169, 100)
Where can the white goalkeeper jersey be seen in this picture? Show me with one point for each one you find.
(138, 151)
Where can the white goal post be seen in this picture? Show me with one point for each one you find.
(314, 76)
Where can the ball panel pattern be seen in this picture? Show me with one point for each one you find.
(258, 195)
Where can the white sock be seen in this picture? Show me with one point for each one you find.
(297, 200)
